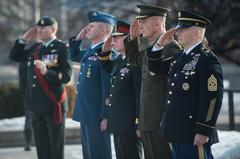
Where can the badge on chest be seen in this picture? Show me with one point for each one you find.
(124, 71)
(51, 60)
(189, 68)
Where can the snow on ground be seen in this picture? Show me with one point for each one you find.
(227, 148)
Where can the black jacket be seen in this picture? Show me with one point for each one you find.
(124, 96)
(36, 99)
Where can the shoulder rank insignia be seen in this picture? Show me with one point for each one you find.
(212, 83)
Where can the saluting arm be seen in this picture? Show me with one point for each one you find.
(161, 60)
(76, 53)
(106, 62)
(133, 54)
(19, 53)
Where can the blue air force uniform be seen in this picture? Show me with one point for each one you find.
(92, 90)
(194, 97)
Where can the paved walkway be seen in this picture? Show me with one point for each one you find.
(228, 148)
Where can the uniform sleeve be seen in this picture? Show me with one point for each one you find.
(76, 53)
(161, 61)
(18, 53)
(134, 56)
(61, 74)
(106, 62)
(210, 95)
(137, 78)
(105, 81)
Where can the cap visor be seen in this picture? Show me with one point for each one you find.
(141, 17)
(117, 34)
(182, 26)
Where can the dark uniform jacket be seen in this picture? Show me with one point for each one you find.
(195, 94)
(36, 99)
(153, 87)
(124, 96)
(93, 84)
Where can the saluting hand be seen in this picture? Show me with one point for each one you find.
(107, 45)
(82, 34)
(134, 31)
(30, 35)
(166, 38)
(200, 139)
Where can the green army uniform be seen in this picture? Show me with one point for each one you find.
(153, 89)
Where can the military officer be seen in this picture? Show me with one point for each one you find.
(195, 89)
(151, 25)
(48, 70)
(124, 95)
(93, 86)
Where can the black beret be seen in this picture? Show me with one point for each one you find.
(46, 21)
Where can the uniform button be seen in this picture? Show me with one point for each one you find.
(34, 77)
(110, 95)
(114, 76)
(190, 117)
(34, 85)
(80, 73)
(109, 104)
(170, 92)
(77, 82)
(121, 78)
(175, 75)
(83, 64)
(168, 101)
(112, 85)
(172, 84)
(77, 92)
(186, 77)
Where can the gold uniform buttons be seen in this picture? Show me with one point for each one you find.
(185, 86)
(170, 92)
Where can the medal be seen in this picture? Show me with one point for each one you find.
(185, 86)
